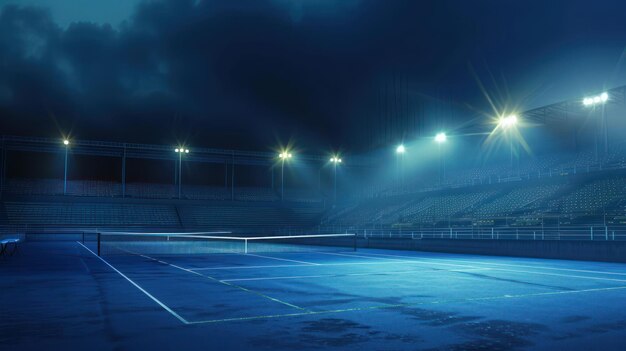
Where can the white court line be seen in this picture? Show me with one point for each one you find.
(382, 261)
(248, 267)
(163, 234)
(283, 259)
(138, 287)
(503, 264)
(225, 283)
(512, 270)
(340, 275)
(426, 261)
(301, 265)
(353, 255)
(435, 302)
(343, 310)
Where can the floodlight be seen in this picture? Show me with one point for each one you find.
(335, 159)
(284, 155)
(441, 137)
(176, 150)
(66, 142)
(508, 121)
(604, 97)
(400, 149)
(186, 151)
(598, 99)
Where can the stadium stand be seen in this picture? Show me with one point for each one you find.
(248, 217)
(90, 214)
(446, 206)
(94, 188)
(303, 195)
(525, 198)
(570, 195)
(255, 194)
(33, 186)
(575, 185)
(149, 190)
(196, 192)
(592, 198)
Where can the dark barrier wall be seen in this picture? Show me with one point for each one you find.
(609, 251)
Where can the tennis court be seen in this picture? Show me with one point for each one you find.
(291, 295)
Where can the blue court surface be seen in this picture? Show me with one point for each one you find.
(60, 295)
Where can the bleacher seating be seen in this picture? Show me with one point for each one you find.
(94, 188)
(33, 186)
(302, 195)
(196, 192)
(446, 206)
(592, 198)
(92, 214)
(576, 184)
(150, 190)
(527, 201)
(248, 217)
(255, 194)
(370, 212)
(528, 198)
(617, 155)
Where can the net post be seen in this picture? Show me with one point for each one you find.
(98, 234)
(245, 246)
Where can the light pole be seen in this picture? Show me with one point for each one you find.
(180, 151)
(400, 150)
(508, 123)
(285, 155)
(593, 102)
(441, 138)
(335, 160)
(67, 146)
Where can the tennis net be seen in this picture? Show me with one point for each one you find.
(119, 243)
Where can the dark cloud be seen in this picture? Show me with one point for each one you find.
(327, 73)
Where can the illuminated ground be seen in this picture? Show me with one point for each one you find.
(61, 296)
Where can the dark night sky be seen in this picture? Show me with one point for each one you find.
(252, 74)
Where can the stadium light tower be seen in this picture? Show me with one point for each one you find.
(400, 151)
(66, 142)
(508, 123)
(336, 161)
(441, 138)
(284, 156)
(180, 151)
(593, 101)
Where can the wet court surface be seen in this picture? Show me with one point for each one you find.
(61, 295)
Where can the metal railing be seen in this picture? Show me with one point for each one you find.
(570, 232)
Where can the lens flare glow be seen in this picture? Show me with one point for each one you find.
(441, 137)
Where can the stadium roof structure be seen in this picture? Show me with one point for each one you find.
(564, 110)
